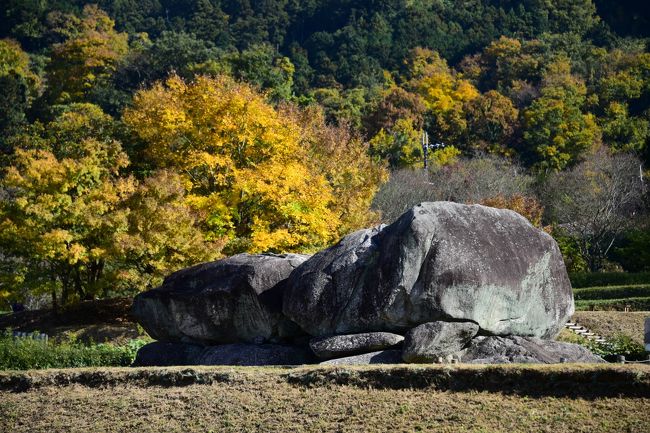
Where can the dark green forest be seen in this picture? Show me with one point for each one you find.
(139, 137)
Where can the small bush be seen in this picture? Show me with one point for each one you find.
(612, 292)
(28, 353)
(619, 345)
(597, 279)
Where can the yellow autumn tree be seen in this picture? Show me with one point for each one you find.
(444, 93)
(241, 161)
(61, 216)
(72, 225)
(343, 158)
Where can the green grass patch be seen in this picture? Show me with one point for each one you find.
(597, 279)
(634, 304)
(28, 353)
(612, 292)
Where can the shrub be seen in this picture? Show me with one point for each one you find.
(619, 345)
(28, 353)
(634, 304)
(612, 292)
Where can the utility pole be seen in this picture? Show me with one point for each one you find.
(425, 149)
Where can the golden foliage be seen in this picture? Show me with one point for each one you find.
(244, 163)
(528, 207)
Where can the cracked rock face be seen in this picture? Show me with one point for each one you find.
(429, 341)
(438, 261)
(237, 299)
(524, 350)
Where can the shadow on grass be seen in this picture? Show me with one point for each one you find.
(572, 381)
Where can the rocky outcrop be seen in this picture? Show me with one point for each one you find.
(463, 281)
(339, 346)
(433, 340)
(438, 261)
(160, 354)
(514, 349)
(237, 299)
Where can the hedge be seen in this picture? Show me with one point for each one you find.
(597, 279)
(635, 304)
(612, 292)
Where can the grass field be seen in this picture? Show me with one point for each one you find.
(561, 398)
(611, 324)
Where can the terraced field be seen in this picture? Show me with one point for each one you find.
(633, 297)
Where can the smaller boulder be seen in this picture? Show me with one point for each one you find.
(160, 354)
(526, 350)
(381, 357)
(429, 341)
(339, 346)
(253, 354)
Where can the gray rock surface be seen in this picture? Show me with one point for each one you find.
(339, 346)
(426, 342)
(168, 354)
(381, 357)
(252, 354)
(438, 261)
(505, 350)
(238, 299)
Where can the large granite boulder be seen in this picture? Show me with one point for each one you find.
(438, 261)
(432, 340)
(160, 354)
(238, 299)
(514, 349)
(339, 346)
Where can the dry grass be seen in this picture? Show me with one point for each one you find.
(312, 399)
(612, 323)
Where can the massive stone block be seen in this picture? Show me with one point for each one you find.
(237, 299)
(438, 261)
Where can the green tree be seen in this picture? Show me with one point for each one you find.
(492, 123)
(18, 86)
(87, 59)
(556, 130)
(622, 131)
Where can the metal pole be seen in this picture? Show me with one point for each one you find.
(425, 149)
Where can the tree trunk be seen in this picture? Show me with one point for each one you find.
(55, 305)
